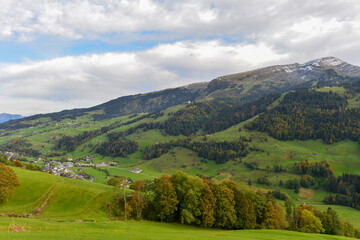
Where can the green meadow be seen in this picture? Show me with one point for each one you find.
(45, 229)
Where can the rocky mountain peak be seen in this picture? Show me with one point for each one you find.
(331, 61)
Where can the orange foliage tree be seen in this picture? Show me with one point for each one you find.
(8, 183)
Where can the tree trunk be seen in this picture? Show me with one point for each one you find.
(124, 204)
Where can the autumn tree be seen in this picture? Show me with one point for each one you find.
(245, 213)
(8, 183)
(292, 215)
(137, 203)
(225, 213)
(165, 199)
(188, 190)
(207, 205)
(309, 222)
(271, 218)
(331, 223)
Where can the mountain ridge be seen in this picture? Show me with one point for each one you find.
(245, 87)
(4, 117)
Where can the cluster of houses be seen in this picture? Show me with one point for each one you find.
(62, 169)
(58, 168)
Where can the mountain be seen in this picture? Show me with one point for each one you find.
(281, 78)
(301, 145)
(4, 117)
(241, 87)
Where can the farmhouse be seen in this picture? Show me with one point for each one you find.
(136, 170)
(114, 164)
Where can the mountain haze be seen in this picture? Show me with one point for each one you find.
(4, 117)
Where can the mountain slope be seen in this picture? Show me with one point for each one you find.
(254, 84)
(244, 87)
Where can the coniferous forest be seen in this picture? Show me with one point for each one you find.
(308, 114)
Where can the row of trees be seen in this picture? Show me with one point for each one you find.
(347, 187)
(19, 164)
(311, 220)
(321, 169)
(199, 201)
(117, 146)
(220, 152)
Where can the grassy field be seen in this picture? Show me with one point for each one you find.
(76, 211)
(68, 199)
(44, 229)
(338, 90)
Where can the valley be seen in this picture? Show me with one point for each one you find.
(255, 128)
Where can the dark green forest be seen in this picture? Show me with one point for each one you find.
(308, 114)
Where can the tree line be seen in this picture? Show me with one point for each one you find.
(198, 201)
(220, 152)
(21, 147)
(19, 164)
(347, 189)
(321, 169)
(117, 146)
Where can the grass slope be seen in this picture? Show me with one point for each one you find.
(43, 229)
(68, 199)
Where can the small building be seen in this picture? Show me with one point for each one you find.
(136, 170)
(102, 164)
(68, 164)
(114, 164)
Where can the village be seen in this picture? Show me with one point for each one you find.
(62, 168)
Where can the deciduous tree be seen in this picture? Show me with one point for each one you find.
(8, 183)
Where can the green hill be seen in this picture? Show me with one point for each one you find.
(58, 197)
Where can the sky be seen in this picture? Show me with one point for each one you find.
(64, 54)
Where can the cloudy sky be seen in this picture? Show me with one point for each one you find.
(63, 54)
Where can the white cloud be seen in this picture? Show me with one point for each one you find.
(92, 79)
(91, 18)
(249, 34)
